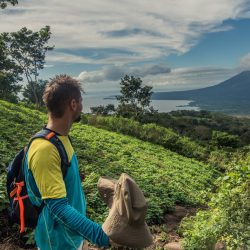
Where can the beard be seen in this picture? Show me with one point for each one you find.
(78, 119)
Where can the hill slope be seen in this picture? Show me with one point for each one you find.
(166, 178)
(230, 96)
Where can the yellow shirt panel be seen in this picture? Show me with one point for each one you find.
(45, 164)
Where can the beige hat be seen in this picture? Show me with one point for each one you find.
(125, 224)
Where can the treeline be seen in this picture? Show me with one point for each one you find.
(200, 125)
(204, 127)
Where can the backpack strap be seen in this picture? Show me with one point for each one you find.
(52, 137)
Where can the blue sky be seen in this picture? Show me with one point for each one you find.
(171, 45)
(219, 49)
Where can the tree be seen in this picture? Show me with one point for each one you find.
(8, 89)
(223, 139)
(3, 3)
(103, 110)
(9, 71)
(10, 74)
(134, 100)
(28, 93)
(27, 49)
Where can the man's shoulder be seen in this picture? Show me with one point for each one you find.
(42, 148)
(41, 144)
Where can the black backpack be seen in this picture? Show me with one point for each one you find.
(21, 210)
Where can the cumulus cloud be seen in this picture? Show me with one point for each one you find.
(115, 73)
(245, 62)
(166, 80)
(66, 58)
(191, 78)
(147, 29)
(132, 32)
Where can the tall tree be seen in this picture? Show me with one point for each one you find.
(27, 49)
(10, 75)
(8, 90)
(9, 71)
(4, 3)
(134, 100)
(28, 93)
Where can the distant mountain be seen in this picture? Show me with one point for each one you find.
(231, 96)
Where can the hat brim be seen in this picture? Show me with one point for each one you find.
(106, 186)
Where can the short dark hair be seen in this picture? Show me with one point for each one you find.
(59, 92)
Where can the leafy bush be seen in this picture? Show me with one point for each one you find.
(228, 217)
(223, 139)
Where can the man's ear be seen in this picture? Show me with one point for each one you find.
(73, 104)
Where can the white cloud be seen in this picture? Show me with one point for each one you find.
(148, 29)
(131, 31)
(245, 62)
(48, 65)
(115, 73)
(191, 78)
(161, 80)
(66, 58)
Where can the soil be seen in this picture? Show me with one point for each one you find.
(165, 235)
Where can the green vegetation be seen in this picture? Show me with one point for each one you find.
(26, 50)
(22, 54)
(228, 218)
(101, 152)
(4, 3)
(150, 132)
(135, 99)
(133, 102)
(199, 125)
(156, 170)
(167, 178)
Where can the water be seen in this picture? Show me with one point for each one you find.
(96, 99)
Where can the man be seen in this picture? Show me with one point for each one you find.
(62, 223)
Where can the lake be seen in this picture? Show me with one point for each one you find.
(96, 99)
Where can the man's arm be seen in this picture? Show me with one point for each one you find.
(63, 213)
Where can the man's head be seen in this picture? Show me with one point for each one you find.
(63, 94)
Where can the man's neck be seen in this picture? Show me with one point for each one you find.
(59, 125)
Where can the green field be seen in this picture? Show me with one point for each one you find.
(166, 178)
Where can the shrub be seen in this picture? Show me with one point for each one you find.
(228, 217)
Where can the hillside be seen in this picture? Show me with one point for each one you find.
(165, 177)
(231, 96)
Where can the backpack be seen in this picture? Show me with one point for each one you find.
(21, 210)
